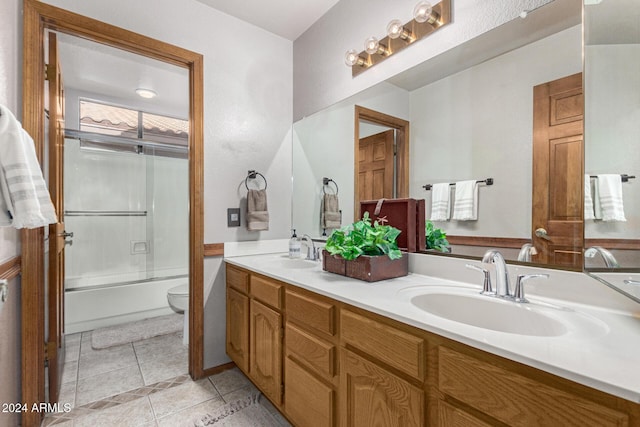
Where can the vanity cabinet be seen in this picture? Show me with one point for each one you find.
(323, 362)
(255, 329)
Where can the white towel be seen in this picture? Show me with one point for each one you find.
(440, 202)
(610, 196)
(465, 207)
(589, 213)
(25, 201)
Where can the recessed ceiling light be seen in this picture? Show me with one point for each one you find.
(146, 93)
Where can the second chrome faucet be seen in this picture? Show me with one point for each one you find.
(503, 287)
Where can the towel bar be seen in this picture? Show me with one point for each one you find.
(253, 175)
(623, 176)
(488, 181)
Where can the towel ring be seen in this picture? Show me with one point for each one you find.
(253, 175)
(325, 183)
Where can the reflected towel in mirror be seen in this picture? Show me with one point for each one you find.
(331, 217)
(609, 194)
(589, 212)
(440, 202)
(257, 213)
(465, 207)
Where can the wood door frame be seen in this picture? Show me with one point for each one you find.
(37, 18)
(402, 151)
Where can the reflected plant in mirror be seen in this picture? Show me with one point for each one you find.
(436, 238)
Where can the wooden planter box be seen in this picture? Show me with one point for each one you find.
(407, 215)
(367, 268)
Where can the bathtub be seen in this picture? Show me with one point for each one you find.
(93, 303)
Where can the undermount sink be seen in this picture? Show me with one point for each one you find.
(541, 320)
(296, 263)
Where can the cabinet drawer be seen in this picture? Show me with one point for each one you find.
(515, 399)
(238, 279)
(396, 348)
(311, 351)
(450, 416)
(312, 312)
(308, 402)
(266, 290)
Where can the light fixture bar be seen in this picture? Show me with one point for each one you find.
(417, 30)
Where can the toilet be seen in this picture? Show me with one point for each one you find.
(178, 298)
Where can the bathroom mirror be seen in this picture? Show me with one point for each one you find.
(471, 117)
(612, 134)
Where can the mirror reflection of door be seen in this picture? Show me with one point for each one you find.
(558, 208)
(381, 157)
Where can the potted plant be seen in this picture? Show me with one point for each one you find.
(436, 238)
(365, 250)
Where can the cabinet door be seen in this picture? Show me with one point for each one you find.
(372, 396)
(238, 328)
(266, 350)
(308, 401)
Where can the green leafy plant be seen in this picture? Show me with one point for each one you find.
(436, 238)
(364, 238)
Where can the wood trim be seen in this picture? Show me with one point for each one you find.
(10, 269)
(213, 249)
(402, 153)
(501, 242)
(217, 369)
(37, 17)
(624, 244)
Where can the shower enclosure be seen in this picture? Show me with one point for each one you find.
(126, 203)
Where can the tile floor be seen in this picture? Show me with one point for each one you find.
(143, 384)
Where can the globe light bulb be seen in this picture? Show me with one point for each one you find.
(352, 58)
(395, 29)
(371, 45)
(423, 13)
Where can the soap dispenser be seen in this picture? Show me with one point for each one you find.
(294, 246)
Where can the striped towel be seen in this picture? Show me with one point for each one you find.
(25, 201)
(440, 203)
(466, 202)
(609, 193)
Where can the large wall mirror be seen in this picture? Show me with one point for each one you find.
(470, 112)
(612, 132)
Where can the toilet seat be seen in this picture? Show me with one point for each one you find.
(180, 290)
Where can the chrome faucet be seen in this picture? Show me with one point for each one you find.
(312, 251)
(502, 275)
(609, 259)
(526, 251)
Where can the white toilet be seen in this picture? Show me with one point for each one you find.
(178, 298)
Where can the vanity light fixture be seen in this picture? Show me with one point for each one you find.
(373, 46)
(427, 19)
(146, 93)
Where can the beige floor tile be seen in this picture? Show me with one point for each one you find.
(95, 362)
(164, 368)
(240, 393)
(71, 352)
(183, 396)
(72, 339)
(189, 416)
(131, 414)
(229, 380)
(70, 372)
(68, 394)
(155, 347)
(108, 384)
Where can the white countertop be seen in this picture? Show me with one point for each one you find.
(607, 359)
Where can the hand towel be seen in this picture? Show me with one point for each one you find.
(589, 212)
(610, 197)
(331, 216)
(257, 213)
(25, 201)
(440, 202)
(465, 207)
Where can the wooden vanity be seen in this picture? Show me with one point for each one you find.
(323, 362)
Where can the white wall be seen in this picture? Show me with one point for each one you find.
(10, 96)
(320, 76)
(612, 126)
(248, 110)
(478, 124)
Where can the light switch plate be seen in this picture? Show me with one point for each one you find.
(233, 217)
